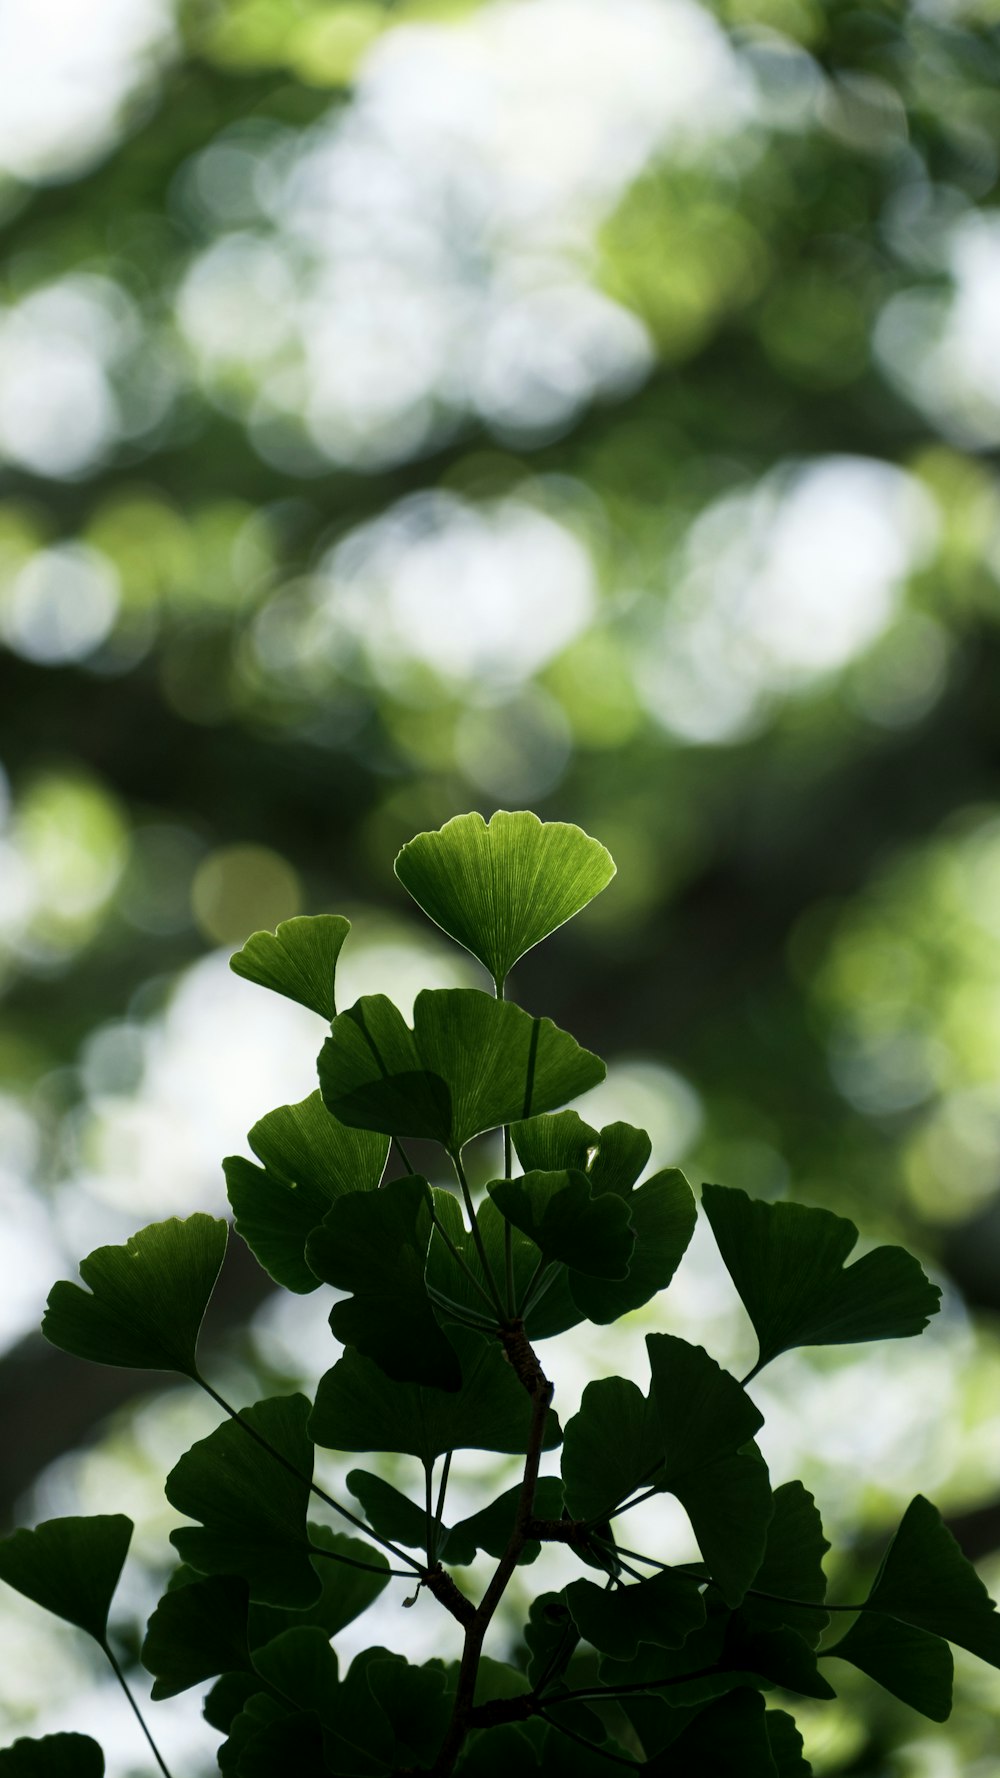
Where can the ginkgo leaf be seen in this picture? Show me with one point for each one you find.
(788, 1263)
(552, 1310)
(727, 1736)
(786, 1745)
(663, 1610)
(299, 960)
(309, 1160)
(197, 1632)
(53, 1756)
(499, 888)
(913, 1665)
(470, 1063)
(375, 1244)
(146, 1299)
(792, 1569)
(347, 1590)
(926, 1581)
(251, 1501)
(70, 1567)
(358, 1408)
(490, 1528)
(396, 1516)
(567, 1223)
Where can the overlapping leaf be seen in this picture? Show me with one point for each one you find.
(469, 1064)
(394, 1515)
(146, 1299)
(499, 888)
(375, 1244)
(926, 1581)
(567, 1223)
(792, 1569)
(70, 1567)
(663, 1610)
(788, 1263)
(250, 1489)
(197, 1631)
(299, 960)
(358, 1408)
(913, 1665)
(309, 1160)
(553, 1309)
(53, 1756)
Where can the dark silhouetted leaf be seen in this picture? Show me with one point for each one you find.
(197, 1632)
(358, 1408)
(926, 1581)
(416, 1705)
(146, 1299)
(500, 888)
(490, 1528)
(347, 1591)
(553, 1311)
(727, 1736)
(299, 960)
(786, 1745)
(663, 1610)
(310, 1159)
(395, 1516)
(251, 1502)
(498, 1753)
(54, 1756)
(792, 1567)
(787, 1262)
(470, 1064)
(567, 1223)
(375, 1244)
(913, 1665)
(70, 1567)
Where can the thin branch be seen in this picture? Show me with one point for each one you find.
(404, 1157)
(477, 1237)
(460, 1261)
(429, 1512)
(442, 1490)
(123, 1682)
(316, 1549)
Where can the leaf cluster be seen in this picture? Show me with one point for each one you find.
(442, 1298)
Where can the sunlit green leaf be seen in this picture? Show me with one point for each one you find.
(663, 1610)
(53, 1756)
(309, 1160)
(787, 1262)
(926, 1581)
(358, 1408)
(469, 1064)
(251, 1501)
(70, 1567)
(549, 1144)
(912, 1664)
(375, 1244)
(299, 960)
(197, 1632)
(499, 888)
(568, 1225)
(146, 1299)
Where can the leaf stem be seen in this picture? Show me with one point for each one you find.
(316, 1549)
(457, 1257)
(404, 1157)
(476, 1235)
(429, 1510)
(123, 1682)
(442, 1490)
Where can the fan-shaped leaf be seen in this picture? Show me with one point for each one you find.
(70, 1567)
(250, 1489)
(552, 1311)
(54, 1756)
(299, 960)
(470, 1064)
(310, 1159)
(394, 1515)
(500, 888)
(347, 1590)
(663, 1610)
(197, 1631)
(558, 1212)
(146, 1299)
(913, 1665)
(926, 1581)
(792, 1569)
(787, 1262)
(375, 1244)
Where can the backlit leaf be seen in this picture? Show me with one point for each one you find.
(663, 1610)
(500, 888)
(787, 1262)
(469, 1064)
(53, 1756)
(146, 1299)
(70, 1567)
(792, 1569)
(558, 1212)
(347, 1590)
(197, 1632)
(396, 1516)
(552, 1311)
(926, 1581)
(913, 1665)
(299, 960)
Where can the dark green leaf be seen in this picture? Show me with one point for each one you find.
(551, 1636)
(347, 1591)
(792, 1567)
(554, 1310)
(500, 888)
(416, 1705)
(787, 1262)
(299, 960)
(786, 1745)
(395, 1516)
(926, 1581)
(358, 1408)
(260, 1710)
(612, 1447)
(197, 1632)
(490, 1528)
(568, 1225)
(375, 1244)
(309, 1161)
(781, 1656)
(663, 1610)
(563, 1758)
(295, 1743)
(911, 1664)
(54, 1756)
(227, 1698)
(498, 1753)
(470, 1064)
(146, 1299)
(251, 1502)
(70, 1567)
(729, 1504)
(728, 1737)
(663, 1215)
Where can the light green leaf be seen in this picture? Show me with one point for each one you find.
(358, 1408)
(926, 1581)
(787, 1262)
(471, 1063)
(70, 1567)
(299, 960)
(146, 1299)
(568, 1225)
(913, 1665)
(500, 888)
(375, 1244)
(309, 1161)
(663, 1610)
(54, 1756)
(251, 1502)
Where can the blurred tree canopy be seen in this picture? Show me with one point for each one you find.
(414, 407)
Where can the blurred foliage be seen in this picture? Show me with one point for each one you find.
(412, 407)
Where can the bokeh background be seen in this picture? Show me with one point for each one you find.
(407, 408)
